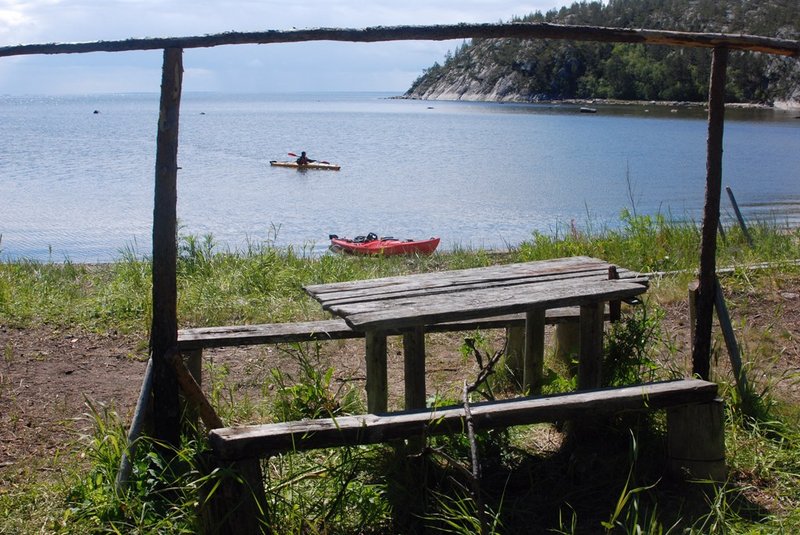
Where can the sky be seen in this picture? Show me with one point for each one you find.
(313, 66)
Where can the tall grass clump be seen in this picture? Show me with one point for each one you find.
(656, 243)
(336, 490)
(328, 491)
(162, 494)
(64, 293)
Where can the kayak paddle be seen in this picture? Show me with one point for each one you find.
(293, 155)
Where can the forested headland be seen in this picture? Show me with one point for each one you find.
(544, 70)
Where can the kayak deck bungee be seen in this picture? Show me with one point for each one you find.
(387, 246)
(311, 165)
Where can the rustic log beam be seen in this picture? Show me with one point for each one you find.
(518, 30)
(164, 327)
(706, 291)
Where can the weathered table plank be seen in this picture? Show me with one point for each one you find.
(458, 280)
(437, 308)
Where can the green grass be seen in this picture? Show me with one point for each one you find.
(616, 488)
(264, 284)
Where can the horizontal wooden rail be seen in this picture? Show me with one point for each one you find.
(264, 440)
(337, 329)
(519, 30)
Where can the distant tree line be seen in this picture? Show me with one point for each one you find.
(549, 70)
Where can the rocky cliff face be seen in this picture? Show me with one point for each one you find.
(507, 70)
(482, 82)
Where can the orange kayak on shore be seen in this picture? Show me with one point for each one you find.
(371, 244)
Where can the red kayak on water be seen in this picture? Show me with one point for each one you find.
(371, 244)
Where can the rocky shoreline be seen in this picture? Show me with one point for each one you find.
(782, 105)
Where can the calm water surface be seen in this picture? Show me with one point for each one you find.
(78, 185)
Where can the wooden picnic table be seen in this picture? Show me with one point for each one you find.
(410, 302)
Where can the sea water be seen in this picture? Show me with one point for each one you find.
(77, 172)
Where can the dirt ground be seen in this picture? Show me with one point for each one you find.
(47, 375)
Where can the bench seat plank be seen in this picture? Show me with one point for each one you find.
(269, 439)
(337, 329)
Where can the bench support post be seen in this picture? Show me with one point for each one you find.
(591, 357)
(238, 504)
(534, 351)
(568, 344)
(377, 381)
(696, 441)
(515, 351)
(414, 368)
(193, 360)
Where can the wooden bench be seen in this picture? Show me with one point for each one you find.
(200, 338)
(192, 342)
(695, 426)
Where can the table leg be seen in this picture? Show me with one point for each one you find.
(377, 383)
(567, 345)
(515, 352)
(591, 355)
(534, 351)
(414, 367)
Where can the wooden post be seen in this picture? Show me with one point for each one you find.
(414, 368)
(193, 361)
(696, 441)
(739, 216)
(701, 355)
(233, 500)
(534, 351)
(193, 394)
(730, 342)
(164, 327)
(515, 352)
(693, 286)
(614, 307)
(590, 364)
(377, 381)
(125, 466)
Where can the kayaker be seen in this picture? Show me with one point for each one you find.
(303, 159)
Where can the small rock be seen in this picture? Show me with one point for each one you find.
(789, 295)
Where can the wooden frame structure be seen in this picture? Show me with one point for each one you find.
(163, 341)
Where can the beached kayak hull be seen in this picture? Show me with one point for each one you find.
(386, 247)
(312, 165)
